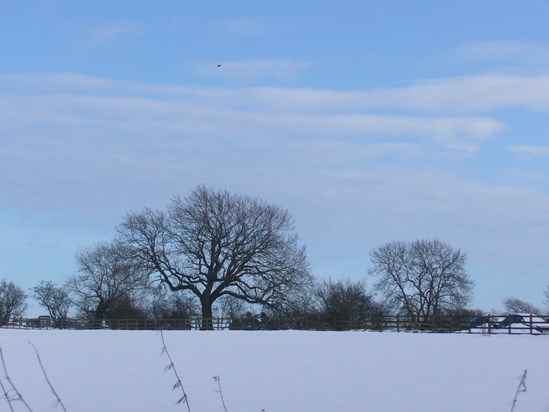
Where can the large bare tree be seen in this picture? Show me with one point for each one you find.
(423, 278)
(214, 243)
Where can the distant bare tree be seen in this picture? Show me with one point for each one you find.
(299, 306)
(108, 280)
(423, 278)
(214, 244)
(168, 305)
(230, 307)
(515, 305)
(346, 301)
(54, 298)
(12, 301)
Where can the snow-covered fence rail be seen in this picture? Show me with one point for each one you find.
(123, 324)
(247, 322)
(487, 324)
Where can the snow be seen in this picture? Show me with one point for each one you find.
(278, 371)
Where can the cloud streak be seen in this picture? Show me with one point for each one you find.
(64, 134)
(458, 95)
(502, 51)
(242, 26)
(529, 150)
(253, 70)
(187, 118)
(472, 94)
(110, 33)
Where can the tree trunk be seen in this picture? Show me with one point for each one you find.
(100, 311)
(206, 313)
(99, 314)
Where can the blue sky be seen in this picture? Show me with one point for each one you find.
(369, 121)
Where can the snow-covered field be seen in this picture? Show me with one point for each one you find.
(285, 371)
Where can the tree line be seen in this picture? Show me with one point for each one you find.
(218, 253)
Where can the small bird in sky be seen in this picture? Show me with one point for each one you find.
(219, 65)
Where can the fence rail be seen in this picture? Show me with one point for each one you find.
(485, 324)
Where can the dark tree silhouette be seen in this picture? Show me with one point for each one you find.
(347, 304)
(54, 298)
(423, 278)
(214, 243)
(12, 301)
(108, 280)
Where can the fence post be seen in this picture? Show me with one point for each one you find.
(398, 323)
(531, 325)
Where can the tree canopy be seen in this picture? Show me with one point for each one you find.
(423, 278)
(12, 301)
(108, 280)
(214, 243)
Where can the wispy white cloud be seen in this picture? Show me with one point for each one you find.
(110, 32)
(529, 150)
(528, 176)
(68, 133)
(253, 70)
(451, 96)
(209, 119)
(504, 51)
(471, 94)
(458, 95)
(242, 26)
(463, 95)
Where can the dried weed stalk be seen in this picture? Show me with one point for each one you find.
(521, 388)
(171, 366)
(58, 401)
(13, 394)
(217, 379)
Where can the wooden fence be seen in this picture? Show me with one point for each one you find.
(485, 324)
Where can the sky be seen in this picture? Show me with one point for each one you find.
(371, 122)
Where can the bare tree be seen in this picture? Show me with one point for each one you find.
(108, 279)
(346, 301)
(54, 298)
(299, 306)
(230, 307)
(515, 305)
(12, 301)
(167, 305)
(214, 243)
(423, 278)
